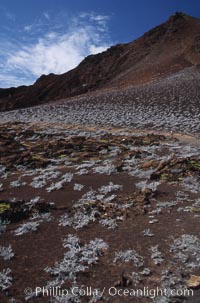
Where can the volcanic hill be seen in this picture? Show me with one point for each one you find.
(100, 186)
(161, 52)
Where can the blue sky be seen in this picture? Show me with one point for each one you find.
(53, 36)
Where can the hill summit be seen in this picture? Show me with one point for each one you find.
(160, 52)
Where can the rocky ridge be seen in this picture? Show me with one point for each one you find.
(144, 60)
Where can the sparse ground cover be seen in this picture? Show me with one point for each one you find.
(112, 209)
(166, 104)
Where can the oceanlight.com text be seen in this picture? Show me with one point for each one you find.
(111, 292)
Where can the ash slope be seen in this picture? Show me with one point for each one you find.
(159, 53)
(168, 104)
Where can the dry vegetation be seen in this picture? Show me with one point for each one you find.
(90, 206)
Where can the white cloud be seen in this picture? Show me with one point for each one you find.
(12, 81)
(28, 28)
(100, 18)
(97, 49)
(55, 52)
(10, 16)
(46, 15)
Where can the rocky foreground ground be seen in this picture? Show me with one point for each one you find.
(102, 213)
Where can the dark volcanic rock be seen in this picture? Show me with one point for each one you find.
(146, 59)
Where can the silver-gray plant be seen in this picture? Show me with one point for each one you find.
(129, 255)
(6, 252)
(76, 259)
(186, 249)
(26, 227)
(156, 255)
(5, 279)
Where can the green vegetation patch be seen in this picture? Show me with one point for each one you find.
(194, 164)
(4, 207)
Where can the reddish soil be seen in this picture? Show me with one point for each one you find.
(34, 251)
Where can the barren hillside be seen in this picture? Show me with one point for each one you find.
(163, 51)
(100, 185)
